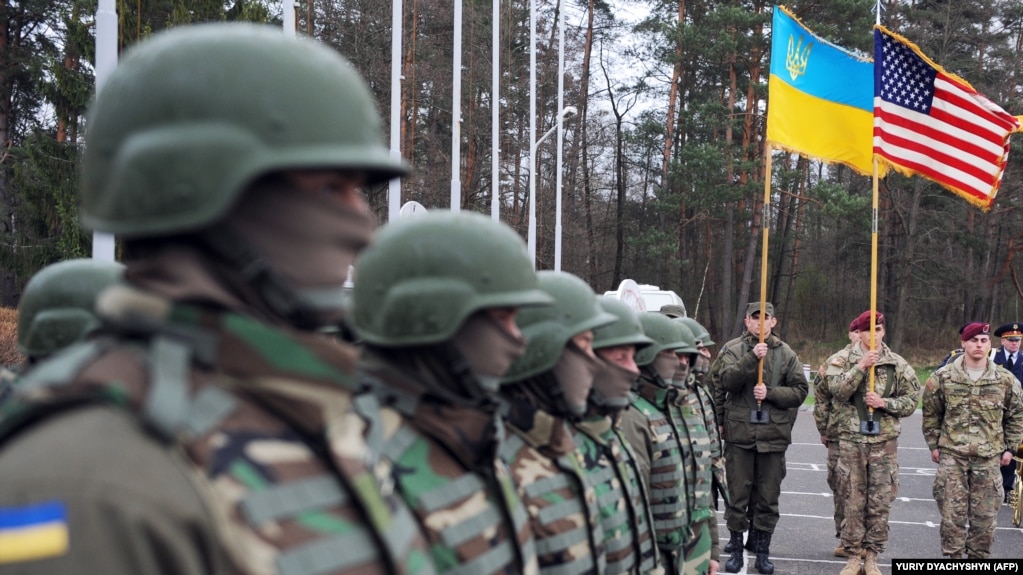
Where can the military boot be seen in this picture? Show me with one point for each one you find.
(840, 551)
(763, 563)
(870, 563)
(852, 566)
(751, 540)
(734, 563)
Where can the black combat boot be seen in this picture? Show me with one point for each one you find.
(731, 545)
(763, 564)
(751, 540)
(734, 563)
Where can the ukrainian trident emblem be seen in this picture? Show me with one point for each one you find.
(797, 58)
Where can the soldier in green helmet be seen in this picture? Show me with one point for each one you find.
(57, 309)
(702, 459)
(438, 332)
(701, 366)
(547, 390)
(607, 456)
(653, 427)
(209, 429)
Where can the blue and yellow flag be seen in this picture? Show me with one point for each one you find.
(33, 532)
(820, 97)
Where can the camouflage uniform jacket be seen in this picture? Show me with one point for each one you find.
(734, 374)
(213, 444)
(447, 467)
(708, 454)
(980, 418)
(653, 427)
(894, 380)
(562, 505)
(624, 513)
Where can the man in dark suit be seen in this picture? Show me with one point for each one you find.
(1009, 357)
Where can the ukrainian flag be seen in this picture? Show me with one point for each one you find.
(820, 97)
(33, 532)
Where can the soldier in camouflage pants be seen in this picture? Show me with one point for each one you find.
(972, 421)
(868, 467)
(827, 427)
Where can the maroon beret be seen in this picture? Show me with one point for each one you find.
(972, 330)
(862, 322)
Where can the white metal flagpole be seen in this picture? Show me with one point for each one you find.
(394, 186)
(456, 113)
(561, 127)
(495, 114)
(531, 234)
(106, 61)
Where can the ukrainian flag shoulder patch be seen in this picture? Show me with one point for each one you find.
(33, 532)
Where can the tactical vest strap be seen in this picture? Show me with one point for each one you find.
(399, 443)
(617, 544)
(60, 368)
(493, 560)
(545, 485)
(321, 555)
(458, 533)
(559, 510)
(166, 405)
(604, 474)
(290, 499)
(450, 492)
(210, 406)
(610, 498)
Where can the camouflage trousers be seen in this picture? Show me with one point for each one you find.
(697, 549)
(868, 479)
(968, 490)
(836, 489)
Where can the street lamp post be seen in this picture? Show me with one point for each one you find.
(565, 114)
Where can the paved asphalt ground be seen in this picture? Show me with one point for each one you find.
(804, 539)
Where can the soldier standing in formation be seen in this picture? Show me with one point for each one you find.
(972, 422)
(57, 309)
(827, 427)
(868, 464)
(610, 464)
(1008, 356)
(653, 426)
(208, 429)
(702, 457)
(438, 334)
(547, 390)
(758, 422)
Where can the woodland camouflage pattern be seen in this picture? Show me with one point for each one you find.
(254, 410)
(624, 513)
(696, 457)
(447, 466)
(651, 427)
(971, 423)
(561, 503)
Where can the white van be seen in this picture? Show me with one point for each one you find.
(645, 297)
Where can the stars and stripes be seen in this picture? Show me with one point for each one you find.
(932, 123)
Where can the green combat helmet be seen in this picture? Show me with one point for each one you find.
(549, 329)
(57, 308)
(414, 290)
(183, 125)
(626, 331)
(687, 337)
(700, 332)
(666, 334)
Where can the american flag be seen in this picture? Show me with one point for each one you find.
(932, 123)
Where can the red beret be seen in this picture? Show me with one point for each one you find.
(862, 322)
(972, 330)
